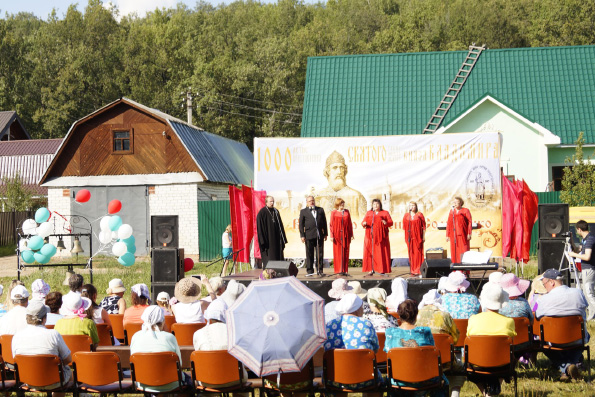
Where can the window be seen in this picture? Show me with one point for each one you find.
(122, 141)
(557, 174)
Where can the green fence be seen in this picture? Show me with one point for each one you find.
(544, 198)
(213, 218)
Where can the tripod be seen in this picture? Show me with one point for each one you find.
(571, 264)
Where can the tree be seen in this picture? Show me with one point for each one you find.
(578, 181)
(15, 195)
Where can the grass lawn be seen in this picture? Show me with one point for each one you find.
(7, 250)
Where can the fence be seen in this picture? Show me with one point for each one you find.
(213, 218)
(9, 221)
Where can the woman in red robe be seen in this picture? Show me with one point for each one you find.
(458, 230)
(341, 230)
(376, 244)
(414, 225)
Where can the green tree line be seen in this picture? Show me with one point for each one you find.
(245, 61)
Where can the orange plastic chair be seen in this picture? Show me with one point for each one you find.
(6, 348)
(129, 330)
(40, 371)
(7, 385)
(523, 340)
(156, 369)
(117, 321)
(78, 343)
(217, 367)
(462, 327)
(50, 326)
(381, 356)
(105, 335)
(349, 366)
(445, 344)
(169, 321)
(89, 379)
(184, 333)
(561, 333)
(490, 355)
(305, 376)
(415, 365)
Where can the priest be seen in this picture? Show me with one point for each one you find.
(271, 233)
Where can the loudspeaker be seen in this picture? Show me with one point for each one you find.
(550, 253)
(553, 220)
(164, 231)
(283, 268)
(167, 265)
(435, 268)
(156, 288)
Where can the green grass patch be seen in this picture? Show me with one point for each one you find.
(8, 250)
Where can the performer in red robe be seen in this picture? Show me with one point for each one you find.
(376, 244)
(414, 225)
(458, 230)
(341, 230)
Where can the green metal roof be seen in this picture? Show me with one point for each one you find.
(395, 94)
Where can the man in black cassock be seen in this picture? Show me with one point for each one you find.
(271, 233)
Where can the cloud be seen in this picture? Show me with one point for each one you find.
(140, 7)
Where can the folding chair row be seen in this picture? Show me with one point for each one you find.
(183, 332)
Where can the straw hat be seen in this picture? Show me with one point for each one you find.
(493, 297)
(513, 285)
(457, 281)
(115, 285)
(187, 290)
(357, 289)
(537, 286)
(339, 287)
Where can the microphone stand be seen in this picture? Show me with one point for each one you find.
(372, 234)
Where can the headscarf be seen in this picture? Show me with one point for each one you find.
(432, 297)
(442, 284)
(142, 291)
(398, 293)
(39, 289)
(216, 310)
(377, 299)
(152, 316)
(348, 304)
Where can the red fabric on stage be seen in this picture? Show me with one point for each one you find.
(508, 203)
(258, 201)
(463, 227)
(414, 238)
(517, 234)
(341, 230)
(379, 253)
(529, 217)
(241, 221)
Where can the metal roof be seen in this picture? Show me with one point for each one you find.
(29, 147)
(30, 169)
(6, 120)
(395, 94)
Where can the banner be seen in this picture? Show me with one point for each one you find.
(428, 169)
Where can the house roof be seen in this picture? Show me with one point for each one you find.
(29, 147)
(6, 120)
(393, 94)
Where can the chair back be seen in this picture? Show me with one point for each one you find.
(78, 343)
(535, 330)
(105, 335)
(523, 329)
(349, 366)
(86, 365)
(50, 326)
(445, 344)
(488, 351)
(130, 329)
(414, 364)
(290, 378)
(155, 369)
(461, 324)
(562, 330)
(184, 333)
(6, 348)
(169, 321)
(215, 367)
(381, 355)
(117, 321)
(39, 370)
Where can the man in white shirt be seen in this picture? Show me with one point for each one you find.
(15, 319)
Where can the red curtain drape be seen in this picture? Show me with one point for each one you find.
(519, 214)
(244, 205)
(258, 201)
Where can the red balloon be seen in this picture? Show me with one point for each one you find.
(114, 206)
(188, 264)
(82, 196)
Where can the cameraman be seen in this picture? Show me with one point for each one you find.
(587, 265)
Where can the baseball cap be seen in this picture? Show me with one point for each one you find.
(37, 308)
(551, 274)
(19, 292)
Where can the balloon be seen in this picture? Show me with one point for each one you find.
(35, 243)
(27, 257)
(119, 248)
(131, 249)
(129, 241)
(105, 237)
(45, 229)
(127, 259)
(82, 196)
(114, 235)
(104, 224)
(114, 223)
(188, 264)
(23, 245)
(41, 258)
(30, 226)
(42, 215)
(48, 250)
(124, 231)
(114, 206)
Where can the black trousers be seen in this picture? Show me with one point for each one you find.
(312, 253)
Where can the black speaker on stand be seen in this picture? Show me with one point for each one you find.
(283, 268)
(167, 268)
(553, 220)
(164, 231)
(435, 268)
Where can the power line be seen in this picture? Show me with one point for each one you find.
(249, 107)
(256, 100)
(251, 116)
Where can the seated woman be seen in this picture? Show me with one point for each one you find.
(114, 302)
(410, 335)
(152, 339)
(376, 312)
(431, 315)
(95, 312)
(517, 305)
(75, 321)
(54, 301)
(458, 303)
(188, 310)
(398, 294)
(140, 301)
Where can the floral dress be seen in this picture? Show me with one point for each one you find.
(460, 306)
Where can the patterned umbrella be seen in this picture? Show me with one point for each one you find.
(276, 326)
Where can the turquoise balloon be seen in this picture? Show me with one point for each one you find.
(35, 243)
(115, 222)
(42, 215)
(27, 257)
(129, 241)
(127, 259)
(131, 249)
(48, 250)
(41, 258)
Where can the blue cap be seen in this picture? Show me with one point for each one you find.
(552, 274)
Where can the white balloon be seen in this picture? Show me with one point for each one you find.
(23, 245)
(119, 248)
(44, 229)
(124, 231)
(105, 237)
(114, 235)
(30, 226)
(104, 224)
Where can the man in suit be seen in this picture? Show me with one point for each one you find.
(313, 231)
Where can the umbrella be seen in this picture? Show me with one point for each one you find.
(276, 326)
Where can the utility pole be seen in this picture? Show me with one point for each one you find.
(189, 105)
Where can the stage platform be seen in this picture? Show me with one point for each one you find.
(417, 287)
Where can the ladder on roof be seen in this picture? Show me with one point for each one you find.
(454, 89)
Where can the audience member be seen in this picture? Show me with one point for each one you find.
(15, 320)
(339, 288)
(54, 301)
(560, 301)
(457, 302)
(75, 283)
(517, 305)
(8, 302)
(537, 291)
(218, 286)
(75, 320)
(441, 285)
(398, 294)
(114, 302)
(267, 274)
(214, 335)
(432, 316)
(587, 265)
(140, 296)
(163, 302)
(232, 292)
(376, 310)
(39, 290)
(95, 312)
(189, 308)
